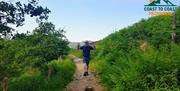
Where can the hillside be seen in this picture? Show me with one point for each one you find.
(141, 57)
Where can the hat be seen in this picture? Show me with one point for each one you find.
(86, 42)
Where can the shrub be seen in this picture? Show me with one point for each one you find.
(37, 79)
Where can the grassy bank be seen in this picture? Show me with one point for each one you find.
(141, 57)
(38, 79)
(154, 70)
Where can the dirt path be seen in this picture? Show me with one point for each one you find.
(81, 83)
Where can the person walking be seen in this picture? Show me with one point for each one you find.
(86, 56)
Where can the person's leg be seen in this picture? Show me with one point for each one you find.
(85, 66)
(85, 69)
(87, 63)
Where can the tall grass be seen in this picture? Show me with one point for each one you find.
(153, 70)
(123, 66)
(38, 79)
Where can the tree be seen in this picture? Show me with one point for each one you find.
(19, 35)
(14, 13)
(47, 28)
(53, 41)
(32, 50)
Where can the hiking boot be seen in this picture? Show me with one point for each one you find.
(85, 74)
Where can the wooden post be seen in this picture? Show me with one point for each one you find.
(174, 28)
(49, 72)
(78, 46)
(5, 84)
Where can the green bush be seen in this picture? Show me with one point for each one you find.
(38, 80)
(35, 50)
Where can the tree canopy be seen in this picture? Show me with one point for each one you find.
(14, 13)
(32, 50)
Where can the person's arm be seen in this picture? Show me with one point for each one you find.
(93, 47)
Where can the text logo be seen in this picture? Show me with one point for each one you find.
(160, 8)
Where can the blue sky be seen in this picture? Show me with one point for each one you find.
(91, 19)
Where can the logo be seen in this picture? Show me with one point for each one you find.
(160, 8)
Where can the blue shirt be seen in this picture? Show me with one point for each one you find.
(86, 50)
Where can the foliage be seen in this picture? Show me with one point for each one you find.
(14, 13)
(8, 51)
(123, 66)
(32, 50)
(38, 80)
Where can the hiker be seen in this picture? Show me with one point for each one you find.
(86, 54)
